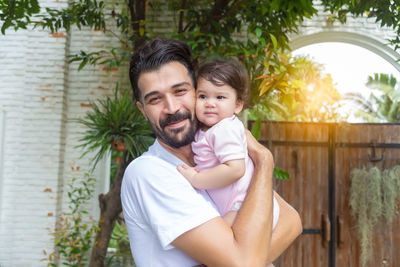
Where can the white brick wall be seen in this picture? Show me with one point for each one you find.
(31, 93)
(2, 130)
(40, 92)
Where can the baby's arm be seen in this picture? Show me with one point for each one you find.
(221, 175)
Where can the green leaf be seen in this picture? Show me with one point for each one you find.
(281, 174)
(274, 41)
(256, 128)
(258, 32)
(83, 63)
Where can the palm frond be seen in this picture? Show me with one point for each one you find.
(115, 119)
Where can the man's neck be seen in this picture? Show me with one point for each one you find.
(184, 153)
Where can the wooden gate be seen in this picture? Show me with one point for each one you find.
(319, 158)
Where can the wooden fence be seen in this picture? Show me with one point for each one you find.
(319, 158)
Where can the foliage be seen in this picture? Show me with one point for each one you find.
(21, 13)
(255, 32)
(373, 196)
(385, 12)
(115, 123)
(304, 93)
(281, 174)
(74, 236)
(390, 187)
(17, 14)
(120, 242)
(109, 59)
(383, 104)
(115, 163)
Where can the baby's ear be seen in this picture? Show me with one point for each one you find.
(239, 106)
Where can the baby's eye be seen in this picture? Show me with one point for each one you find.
(220, 97)
(202, 96)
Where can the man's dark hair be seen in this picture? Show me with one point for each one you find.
(223, 71)
(154, 54)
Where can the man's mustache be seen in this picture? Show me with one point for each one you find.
(172, 118)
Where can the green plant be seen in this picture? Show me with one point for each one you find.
(364, 205)
(115, 123)
(74, 233)
(120, 243)
(303, 92)
(383, 104)
(373, 195)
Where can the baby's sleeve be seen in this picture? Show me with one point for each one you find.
(228, 140)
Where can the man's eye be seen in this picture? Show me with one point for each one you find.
(180, 91)
(154, 100)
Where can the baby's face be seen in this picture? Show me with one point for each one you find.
(214, 103)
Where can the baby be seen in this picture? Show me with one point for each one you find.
(223, 166)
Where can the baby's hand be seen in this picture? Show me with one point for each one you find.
(188, 172)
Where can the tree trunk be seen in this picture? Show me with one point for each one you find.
(137, 11)
(110, 203)
(110, 208)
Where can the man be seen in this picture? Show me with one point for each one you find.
(169, 222)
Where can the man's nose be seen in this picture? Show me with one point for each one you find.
(171, 104)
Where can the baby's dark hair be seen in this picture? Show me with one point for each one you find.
(222, 71)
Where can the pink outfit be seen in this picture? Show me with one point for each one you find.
(223, 142)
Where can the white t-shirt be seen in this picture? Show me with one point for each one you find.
(159, 205)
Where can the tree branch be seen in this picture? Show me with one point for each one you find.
(235, 6)
(181, 16)
(137, 10)
(218, 8)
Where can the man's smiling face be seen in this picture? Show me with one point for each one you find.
(168, 103)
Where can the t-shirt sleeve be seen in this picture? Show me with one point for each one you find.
(227, 139)
(157, 193)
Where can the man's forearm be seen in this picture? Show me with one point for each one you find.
(288, 228)
(253, 225)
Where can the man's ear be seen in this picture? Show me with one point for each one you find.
(140, 107)
(239, 106)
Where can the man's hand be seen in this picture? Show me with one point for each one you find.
(257, 152)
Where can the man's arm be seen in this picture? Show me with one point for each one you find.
(247, 242)
(287, 229)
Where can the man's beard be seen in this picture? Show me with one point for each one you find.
(171, 138)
